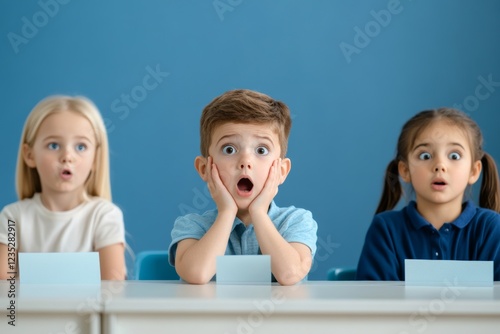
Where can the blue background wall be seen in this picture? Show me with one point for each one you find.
(350, 73)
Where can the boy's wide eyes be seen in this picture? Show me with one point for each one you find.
(229, 150)
(261, 150)
(455, 156)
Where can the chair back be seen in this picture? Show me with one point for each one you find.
(153, 265)
(341, 274)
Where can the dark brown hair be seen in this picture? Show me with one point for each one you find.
(489, 196)
(244, 106)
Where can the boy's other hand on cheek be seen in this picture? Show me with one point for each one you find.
(260, 205)
(221, 196)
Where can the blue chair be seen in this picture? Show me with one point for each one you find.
(153, 265)
(341, 274)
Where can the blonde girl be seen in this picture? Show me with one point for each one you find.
(63, 186)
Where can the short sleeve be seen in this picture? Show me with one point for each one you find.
(300, 227)
(109, 228)
(191, 226)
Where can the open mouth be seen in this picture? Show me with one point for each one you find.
(66, 172)
(439, 184)
(245, 185)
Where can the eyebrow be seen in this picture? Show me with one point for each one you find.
(226, 136)
(427, 145)
(262, 137)
(52, 137)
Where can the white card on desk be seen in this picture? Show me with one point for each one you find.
(243, 269)
(443, 272)
(59, 268)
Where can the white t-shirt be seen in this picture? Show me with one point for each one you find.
(94, 224)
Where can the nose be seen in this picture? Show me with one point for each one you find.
(66, 156)
(245, 161)
(440, 166)
(247, 166)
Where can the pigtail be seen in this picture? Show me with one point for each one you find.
(392, 188)
(489, 195)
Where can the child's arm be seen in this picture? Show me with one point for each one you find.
(4, 266)
(112, 262)
(195, 260)
(290, 262)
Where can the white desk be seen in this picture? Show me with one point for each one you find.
(51, 309)
(315, 307)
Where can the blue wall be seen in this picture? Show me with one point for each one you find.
(350, 73)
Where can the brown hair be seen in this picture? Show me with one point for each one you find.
(244, 106)
(489, 196)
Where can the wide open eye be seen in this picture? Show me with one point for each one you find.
(262, 150)
(455, 156)
(53, 146)
(81, 147)
(424, 156)
(229, 150)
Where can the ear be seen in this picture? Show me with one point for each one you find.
(200, 164)
(404, 171)
(285, 167)
(28, 156)
(475, 171)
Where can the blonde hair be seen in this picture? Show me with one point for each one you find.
(28, 179)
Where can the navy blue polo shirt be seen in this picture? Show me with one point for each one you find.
(394, 236)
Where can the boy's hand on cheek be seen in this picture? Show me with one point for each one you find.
(218, 191)
(260, 205)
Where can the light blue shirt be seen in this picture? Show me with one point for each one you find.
(294, 225)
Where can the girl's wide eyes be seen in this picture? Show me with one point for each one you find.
(261, 150)
(427, 156)
(81, 147)
(424, 156)
(53, 146)
(229, 150)
(78, 147)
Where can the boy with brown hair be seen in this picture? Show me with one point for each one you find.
(244, 137)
